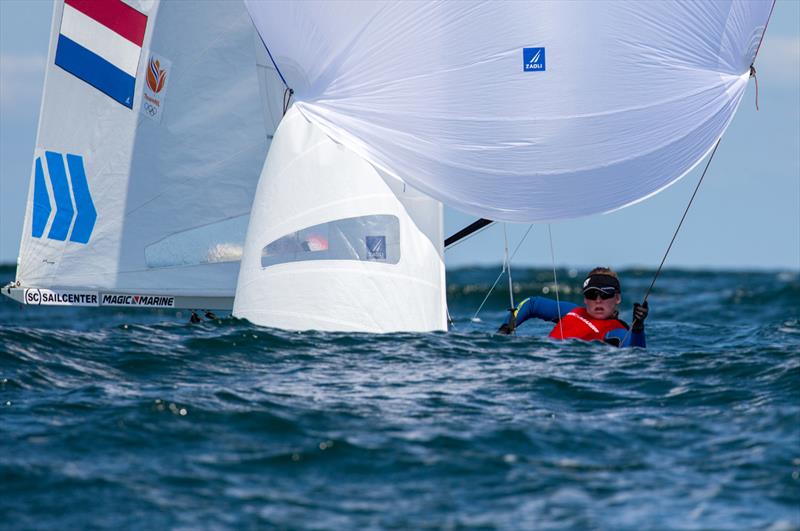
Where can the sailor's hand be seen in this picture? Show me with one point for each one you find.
(640, 312)
(504, 330)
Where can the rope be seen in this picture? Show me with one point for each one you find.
(268, 52)
(475, 317)
(761, 40)
(287, 97)
(753, 75)
(675, 235)
(555, 279)
(766, 24)
(696, 188)
(289, 91)
(508, 266)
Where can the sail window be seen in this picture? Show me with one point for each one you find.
(374, 238)
(210, 244)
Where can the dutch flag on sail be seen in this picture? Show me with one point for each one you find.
(100, 42)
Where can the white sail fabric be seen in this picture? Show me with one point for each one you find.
(169, 168)
(520, 111)
(335, 245)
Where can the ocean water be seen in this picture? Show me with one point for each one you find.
(116, 419)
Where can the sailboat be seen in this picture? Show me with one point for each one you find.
(512, 111)
(154, 123)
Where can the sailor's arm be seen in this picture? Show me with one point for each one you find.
(624, 338)
(635, 337)
(540, 308)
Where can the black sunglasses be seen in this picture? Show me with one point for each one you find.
(602, 293)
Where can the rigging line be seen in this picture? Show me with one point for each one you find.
(761, 40)
(766, 24)
(508, 266)
(267, 49)
(287, 99)
(555, 279)
(686, 211)
(675, 235)
(755, 78)
(489, 293)
(501, 273)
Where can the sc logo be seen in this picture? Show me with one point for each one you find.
(33, 296)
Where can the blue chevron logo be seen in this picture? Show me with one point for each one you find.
(69, 188)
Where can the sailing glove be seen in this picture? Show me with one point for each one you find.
(505, 330)
(640, 312)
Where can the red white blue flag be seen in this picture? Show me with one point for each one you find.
(100, 42)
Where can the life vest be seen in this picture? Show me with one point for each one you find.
(578, 324)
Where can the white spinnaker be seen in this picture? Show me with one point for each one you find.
(335, 245)
(172, 197)
(624, 98)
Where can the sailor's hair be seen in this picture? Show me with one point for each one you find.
(603, 271)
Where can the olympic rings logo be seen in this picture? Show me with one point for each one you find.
(150, 109)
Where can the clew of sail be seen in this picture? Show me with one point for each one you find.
(520, 111)
(151, 137)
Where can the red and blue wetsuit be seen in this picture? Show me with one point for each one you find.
(576, 323)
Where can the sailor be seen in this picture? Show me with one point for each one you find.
(597, 320)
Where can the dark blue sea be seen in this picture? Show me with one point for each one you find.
(139, 420)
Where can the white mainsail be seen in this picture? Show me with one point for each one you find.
(150, 143)
(520, 111)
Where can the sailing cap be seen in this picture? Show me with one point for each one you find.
(601, 282)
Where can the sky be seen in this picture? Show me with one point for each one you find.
(746, 214)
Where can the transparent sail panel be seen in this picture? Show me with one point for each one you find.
(209, 244)
(373, 238)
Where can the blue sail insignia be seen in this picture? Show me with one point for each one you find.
(41, 201)
(71, 195)
(87, 215)
(64, 211)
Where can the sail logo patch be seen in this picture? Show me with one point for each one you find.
(60, 297)
(140, 301)
(155, 75)
(101, 43)
(155, 88)
(376, 247)
(533, 60)
(71, 195)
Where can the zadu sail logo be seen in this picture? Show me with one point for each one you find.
(533, 60)
(155, 75)
(376, 247)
